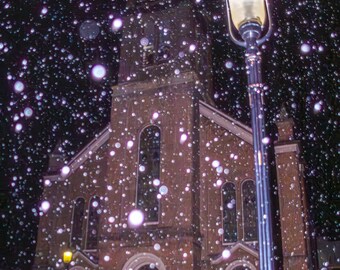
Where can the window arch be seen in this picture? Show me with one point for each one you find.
(77, 223)
(148, 171)
(141, 260)
(240, 264)
(93, 223)
(229, 217)
(249, 210)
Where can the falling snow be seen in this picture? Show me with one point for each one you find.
(60, 59)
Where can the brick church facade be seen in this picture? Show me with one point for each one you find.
(172, 156)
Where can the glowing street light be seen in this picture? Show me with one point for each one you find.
(67, 257)
(248, 18)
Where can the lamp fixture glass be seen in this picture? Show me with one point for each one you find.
(243, 11)
(67, 256)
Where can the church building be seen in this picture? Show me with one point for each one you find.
(169, 184)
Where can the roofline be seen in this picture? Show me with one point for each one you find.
(135, 87)
(84, 154)
(237, 128)
(81, 255)
(239, 245)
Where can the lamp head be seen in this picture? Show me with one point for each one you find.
(247, 11)
(249, 18)
(67, 256)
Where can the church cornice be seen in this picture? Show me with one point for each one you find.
(143, 234)
(235, 127)
(131, 88)
(287, 147)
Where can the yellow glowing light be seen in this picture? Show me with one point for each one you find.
(67, 256)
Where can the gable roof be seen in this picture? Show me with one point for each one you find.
(80, 255)
(235, 127)
(83, 155)
(238, 246)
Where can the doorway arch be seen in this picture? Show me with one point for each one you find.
(235, 265)
(140, 260)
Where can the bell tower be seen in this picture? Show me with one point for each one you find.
(163, 41)
(153, 167)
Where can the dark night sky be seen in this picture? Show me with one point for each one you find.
(41, 46)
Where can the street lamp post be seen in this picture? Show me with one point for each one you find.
(248, 17)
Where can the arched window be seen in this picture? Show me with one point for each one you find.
(249, 210)
(148, 171)
(93, 223)
(77, 223)
(229, 213)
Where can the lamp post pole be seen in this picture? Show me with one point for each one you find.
(248, 17)
(250, 32)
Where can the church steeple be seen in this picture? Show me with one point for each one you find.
(164, 73)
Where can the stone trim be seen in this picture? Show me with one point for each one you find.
(141, 259)
(143, 234)
(80, 255)
(286, 148)
(237, 263)
(249, 250)
(54, 178)
(237, 128)
(156, 83)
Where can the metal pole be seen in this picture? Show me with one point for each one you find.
(250, 32)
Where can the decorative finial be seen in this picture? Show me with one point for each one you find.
(56, 158)
(283, 113)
